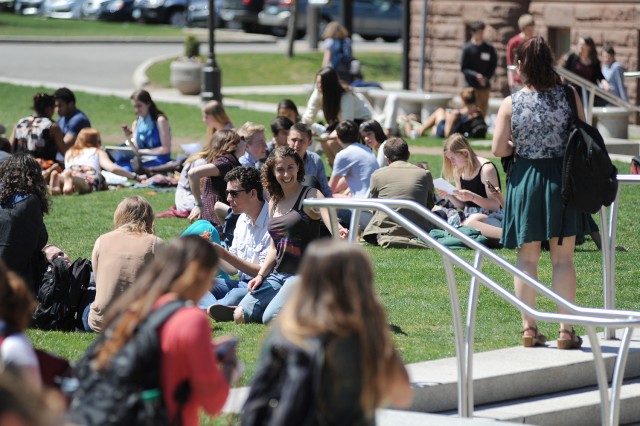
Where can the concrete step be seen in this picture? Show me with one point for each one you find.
(515, 373)
(577, 407)
(623, 146)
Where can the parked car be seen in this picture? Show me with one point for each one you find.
(89, 8)
(163, 11)
(242, 13)
(6, 5)
(371, 18)
(62, 9)
(27, 7)
(198, 13)
(115, 10)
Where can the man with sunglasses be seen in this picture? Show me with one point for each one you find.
(250, 241)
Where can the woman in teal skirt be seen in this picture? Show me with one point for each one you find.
(535, 123)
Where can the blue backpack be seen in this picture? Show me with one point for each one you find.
(341, 57)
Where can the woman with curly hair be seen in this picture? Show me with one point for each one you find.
(291, 226)
(221, 155)
(24, 200)
(335, 302)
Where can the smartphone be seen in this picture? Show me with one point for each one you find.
(491, 187)
(222, 349)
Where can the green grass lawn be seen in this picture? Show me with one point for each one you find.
(21, 25)
(107, 113)
(257, 69)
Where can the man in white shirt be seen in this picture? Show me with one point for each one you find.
(250, 238)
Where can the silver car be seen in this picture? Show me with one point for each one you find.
(62, 9)
(27, 7)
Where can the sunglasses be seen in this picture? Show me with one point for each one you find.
(234, 192)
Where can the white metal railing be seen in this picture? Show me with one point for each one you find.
(591, 90)
(590, 318)
(608, 232)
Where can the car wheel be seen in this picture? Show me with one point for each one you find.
(391, 39)
(368, 37)
(177, 18)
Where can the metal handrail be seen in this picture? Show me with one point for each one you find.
(591, 91)
(590, 318)
(608, 231)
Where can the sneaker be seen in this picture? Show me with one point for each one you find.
(221, 313)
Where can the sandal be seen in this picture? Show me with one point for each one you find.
(221, 313)
(536, 340)
(575, 342)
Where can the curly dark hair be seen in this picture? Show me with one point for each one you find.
(21, 174)
(536, 64)
(268, 175)
(249, 178)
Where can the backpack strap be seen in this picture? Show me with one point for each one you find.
(571, 99)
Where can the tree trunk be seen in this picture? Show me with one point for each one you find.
(292, 28)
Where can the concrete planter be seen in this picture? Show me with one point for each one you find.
(186, 76)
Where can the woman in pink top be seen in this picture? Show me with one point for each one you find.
(182, 270)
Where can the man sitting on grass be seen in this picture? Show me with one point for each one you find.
(400, 180)
(250, 244)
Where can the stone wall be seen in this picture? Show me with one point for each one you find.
(617, 22)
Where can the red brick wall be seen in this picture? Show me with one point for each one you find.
(617, 22)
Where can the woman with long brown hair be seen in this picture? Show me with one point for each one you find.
(335, 301)
(534, 123)
(182, 270)
(222, 154)
(338, 103)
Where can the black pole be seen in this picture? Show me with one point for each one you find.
(406, 34)
(347, 15)
(211, 74)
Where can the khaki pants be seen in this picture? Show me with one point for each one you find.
(482, 100)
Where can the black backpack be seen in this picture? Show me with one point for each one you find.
(285, 389)
(60, 294)
(589, 179)
(128, 391)
(474, 127)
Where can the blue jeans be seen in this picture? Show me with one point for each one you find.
(85, 319)
(278, 302)
(220, 293)
(254, 304)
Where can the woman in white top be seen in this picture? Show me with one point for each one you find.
(16, 307)
(372, 135)
(84, 162)
(338, 103)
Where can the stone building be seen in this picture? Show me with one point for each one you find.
(561, 22)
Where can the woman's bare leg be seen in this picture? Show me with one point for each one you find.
(564, 275)
(527, 262)
(67, 189)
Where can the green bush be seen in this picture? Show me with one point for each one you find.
(191, 47)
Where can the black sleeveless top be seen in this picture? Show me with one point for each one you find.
(291, 234)
(476, 185)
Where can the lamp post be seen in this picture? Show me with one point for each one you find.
(211, 74)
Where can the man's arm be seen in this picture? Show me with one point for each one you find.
(242, 265)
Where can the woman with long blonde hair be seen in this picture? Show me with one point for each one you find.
(216, 118)
(119, 255)
(473, 177)
(335, 301)
(223, 153)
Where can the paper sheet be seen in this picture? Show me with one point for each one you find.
(443, 185)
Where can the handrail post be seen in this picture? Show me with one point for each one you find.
(472, 305)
